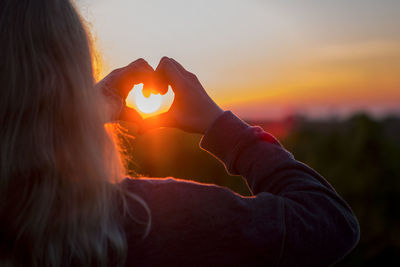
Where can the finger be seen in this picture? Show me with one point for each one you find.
(130, 115)
(139, 63)
(136, 72)
(139, 71)
(183, 70)
(146, 92)
(168, 73)
(178, 65)
(157, 85)
(151, 82)
(128, 82)
(162, 120)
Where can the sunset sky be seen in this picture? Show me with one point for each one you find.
(264, 58)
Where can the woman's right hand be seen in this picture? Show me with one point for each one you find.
(192, 110)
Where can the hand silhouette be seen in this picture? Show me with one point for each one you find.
(119, 82)
(192, 110)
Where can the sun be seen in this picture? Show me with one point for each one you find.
(149, 106)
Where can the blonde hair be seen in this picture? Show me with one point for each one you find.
(58, 164)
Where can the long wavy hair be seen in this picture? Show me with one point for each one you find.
(58, 163)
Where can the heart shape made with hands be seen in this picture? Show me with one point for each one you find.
(150, 106)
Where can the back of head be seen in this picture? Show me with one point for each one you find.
(56, 158)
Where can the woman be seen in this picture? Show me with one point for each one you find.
(64, 199)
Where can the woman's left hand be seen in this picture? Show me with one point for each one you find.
(120, 82)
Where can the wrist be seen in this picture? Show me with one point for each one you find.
(212, 116)
(114, 101)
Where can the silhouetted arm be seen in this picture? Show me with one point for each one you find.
(294, 218)
(318, 226)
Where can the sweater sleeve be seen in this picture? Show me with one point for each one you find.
(294, 218)
(319, 227)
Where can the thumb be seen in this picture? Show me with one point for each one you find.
(162, 120)
(130, 115)
(156, 86)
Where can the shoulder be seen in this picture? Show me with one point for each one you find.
(176, 201)
(173, 190)
(187, 217)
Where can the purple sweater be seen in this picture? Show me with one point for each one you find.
(294, 218)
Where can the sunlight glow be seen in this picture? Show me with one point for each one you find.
(146, 104)
(149, 106)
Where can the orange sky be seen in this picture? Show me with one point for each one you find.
(357, 77)
(264, 59)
